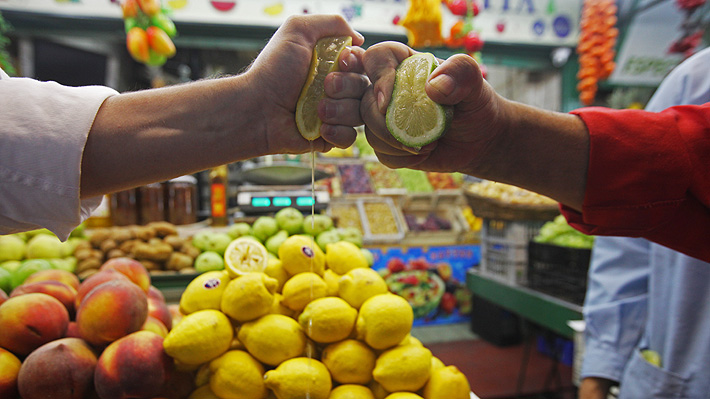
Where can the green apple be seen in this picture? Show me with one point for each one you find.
(10, 265)
(44, 246)
(68, 263)
(218, 242)
(12, 247)
(369, 256)
(316, 224)
(274, 242)
(28, 268)
(209, 261)
(200, 239)
(239, 229)
(264, 227)
(5, 281)
(327, 237)
(351, 234)
(290, 219)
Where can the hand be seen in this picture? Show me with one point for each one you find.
(457, 81)
(594, 388)
(279, 72)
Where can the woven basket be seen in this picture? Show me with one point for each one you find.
(487, 207)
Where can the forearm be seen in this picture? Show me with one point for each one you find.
(154, 135)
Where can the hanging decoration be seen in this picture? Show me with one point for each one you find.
(692, 28)
(149, 31)
(462, 33)
(596, 45)
(423, 23)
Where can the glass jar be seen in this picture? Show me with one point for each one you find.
(182, 200)
(124, 207)
(152, 203)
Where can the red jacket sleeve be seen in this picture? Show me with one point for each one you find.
(648, 176)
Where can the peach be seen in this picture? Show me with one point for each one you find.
(175, 313)
(95, 279)
(63, 276)
(112, 310)
(3, 296)
(179, 385)
(155, 325)
(72, 330)
(30, 321)
(61, 369)
(132, 268)
(62, 292)
(158, 308)
(134, 366)
(9, 369)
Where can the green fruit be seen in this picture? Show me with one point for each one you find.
(239, 229)
(44, 246)
(274, 242)
(264, 227)
(218, 242)
(10, 265)
(5, 281)
(200, 239)
(209, 261)
(327, 237)
(12, 247)
(28, 268)
(368, 255)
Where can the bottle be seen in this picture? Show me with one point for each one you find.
(218, 195)
(182, 200)
(101, 216)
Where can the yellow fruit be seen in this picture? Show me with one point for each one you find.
(410, 340)
(237, 375)
(384, 320)
(204, 292)
(377, 390)
(301, 289)
(273, 338)
(331, 280)
(403, 368)
(300, 254)
(403, 395)
(277, 307)
(324, 60)
(9, 370)
(328, 319)
(359, 285)
(447, 383)
(343, 256)
(203, 392)
(249, 296)
(349, 361)
(202, 375)
(436, 363)
(200, 337)
(275, 269)
(245, 255)
(299, 378)
(351, 391)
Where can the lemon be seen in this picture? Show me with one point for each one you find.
(301, 289)
(403, 368)
(343, 256)
(200, 337)
(328, 319)
(403, 395)
(204, 292)
(384, 321)
(277, 307)
(245, 255)
(377, 390)
(300, 254)
(273, 338)
(324, 60)
(436, 363)
(299, 378)
(202, 375)
(412, 117)
(203, 392)
(249, 296)
(237, 375)
(447, 383)
(359, 285)
(331, 281)
(275, 269)
(351, 391)
(349, 361)
(410, 340)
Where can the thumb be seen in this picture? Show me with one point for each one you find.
(457, 79)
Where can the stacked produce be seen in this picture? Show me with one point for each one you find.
(559, 232)
(149, 31)
(597, 39)
(508, 194)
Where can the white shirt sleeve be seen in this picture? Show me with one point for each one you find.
(43, 131)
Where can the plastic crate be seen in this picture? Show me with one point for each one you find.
(504, 248)
(558, 271)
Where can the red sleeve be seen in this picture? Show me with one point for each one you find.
(648, 176)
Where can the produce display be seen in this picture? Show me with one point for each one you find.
(415, 181)
(149, 31)
(508, 194)
(559, 232)
(431, 222)
(354, 179)
(597, 40)
(382, 176)
(380, 218)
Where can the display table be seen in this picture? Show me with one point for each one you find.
(544, 310)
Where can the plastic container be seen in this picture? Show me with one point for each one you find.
(182, 200)
(558, 271)
(504, 248)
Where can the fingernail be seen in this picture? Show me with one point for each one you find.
(359, 35)
(381, 102)
(337, 83)
(330, 110)
(443, 83)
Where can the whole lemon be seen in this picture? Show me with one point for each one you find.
(299, 378)
(410, 340)
(273, 338)
(200, 337)
(301, 289)
(249, 296)
(204, 292)
(300, 254)
(359, 285)
(275, 269)
(436, 363)
(349, 361)
(351, 391)
(237, 375)
(377, 390)
(203, 392)
(384, 320)
(403, 395)
(328, 319)
(331, 280)
(343, 256)
(447, 383)
(277, 307)
(403, 368)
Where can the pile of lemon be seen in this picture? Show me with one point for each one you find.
(308, 324)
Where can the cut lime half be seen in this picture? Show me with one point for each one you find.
(412, 117)
(323, 62)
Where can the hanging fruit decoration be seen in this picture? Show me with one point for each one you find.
(149, 31)
(423, 23)
(462, 33)
(597, 39)
(692, 28)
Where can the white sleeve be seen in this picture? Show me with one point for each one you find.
(43, 131)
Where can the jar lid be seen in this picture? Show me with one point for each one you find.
(184, 179)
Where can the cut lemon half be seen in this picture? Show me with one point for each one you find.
(412, 117)
(245, 255)
(323, 62)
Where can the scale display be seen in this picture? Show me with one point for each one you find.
(268, 202)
